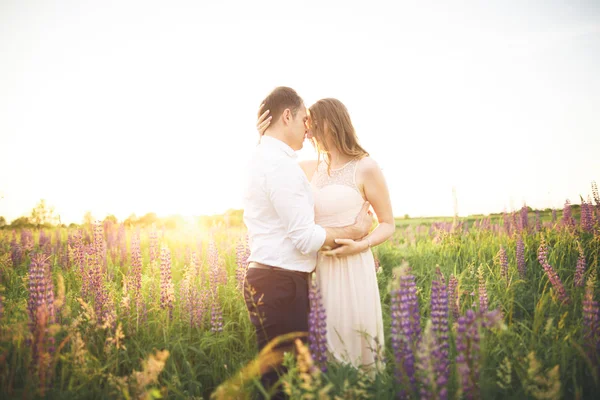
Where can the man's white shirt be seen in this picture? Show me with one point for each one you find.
(279, 209)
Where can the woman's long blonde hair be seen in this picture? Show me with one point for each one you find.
(333, 114)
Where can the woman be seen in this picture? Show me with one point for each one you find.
(342, 178)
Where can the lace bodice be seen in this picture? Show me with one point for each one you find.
(339, 176)
(337, 197)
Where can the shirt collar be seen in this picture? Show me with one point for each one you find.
(278, 144)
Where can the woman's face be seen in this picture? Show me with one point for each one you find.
(316, 140)
(309, 134)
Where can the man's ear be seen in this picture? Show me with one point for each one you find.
(286, 116)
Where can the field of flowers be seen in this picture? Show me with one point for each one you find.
(495, 307)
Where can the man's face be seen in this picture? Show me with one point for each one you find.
(299, 128)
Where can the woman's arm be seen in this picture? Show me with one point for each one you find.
(377, 193)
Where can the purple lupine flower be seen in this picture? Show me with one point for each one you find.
(488, 223)
(99, 246)
(453, 296)
(506, 222)
(194, 265)
(108, 311)
(497, 228)
(521, 257)
(317, 328)
(187, 254)
(27, 240)
(538, 221)
(483, 298)
(587, 215)
(398, 346)
(524, 221)
(428, 354)
(591, 317)
(580, 269)
(242, 253)
(167, 296)
(552, 275)
(553, 215)
(406, 329)
(41, 297)
(111, 240)
(92, 279)
(45, 242)
(16, 253)
(198, 303)
(122, 241)
(597, 200)
(467, 358)
(76, 250)
(515, 222)
(567, 220)
(503, 260)
(218, 275)
(79, 250)
(60, 249)
(135, 273)
(49, 291)
(439, 321)
(591, 212)
(96, 267)
(216, 315)
(197, 300)
(84, 270)
(143, 314)
(185, 289)
(193, 302)
(595, 193)
(153, 246)
(41, 289)
(215, 278)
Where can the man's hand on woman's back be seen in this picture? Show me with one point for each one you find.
(363, 222)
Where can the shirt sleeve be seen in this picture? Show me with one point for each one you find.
(291, 199)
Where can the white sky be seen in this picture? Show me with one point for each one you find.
(140, 106)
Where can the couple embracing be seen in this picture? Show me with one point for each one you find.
(313, 217)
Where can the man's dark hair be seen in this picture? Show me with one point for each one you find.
(280, 99)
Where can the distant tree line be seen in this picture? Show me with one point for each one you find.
(44, 216)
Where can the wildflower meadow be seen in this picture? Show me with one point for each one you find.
(498, 306)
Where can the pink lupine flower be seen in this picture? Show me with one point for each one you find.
(552, 275)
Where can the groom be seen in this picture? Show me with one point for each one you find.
(279, 215)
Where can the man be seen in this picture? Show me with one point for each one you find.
(279, 215)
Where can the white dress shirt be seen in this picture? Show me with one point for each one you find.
(279, 209)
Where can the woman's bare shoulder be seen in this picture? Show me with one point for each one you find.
(367, 165)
